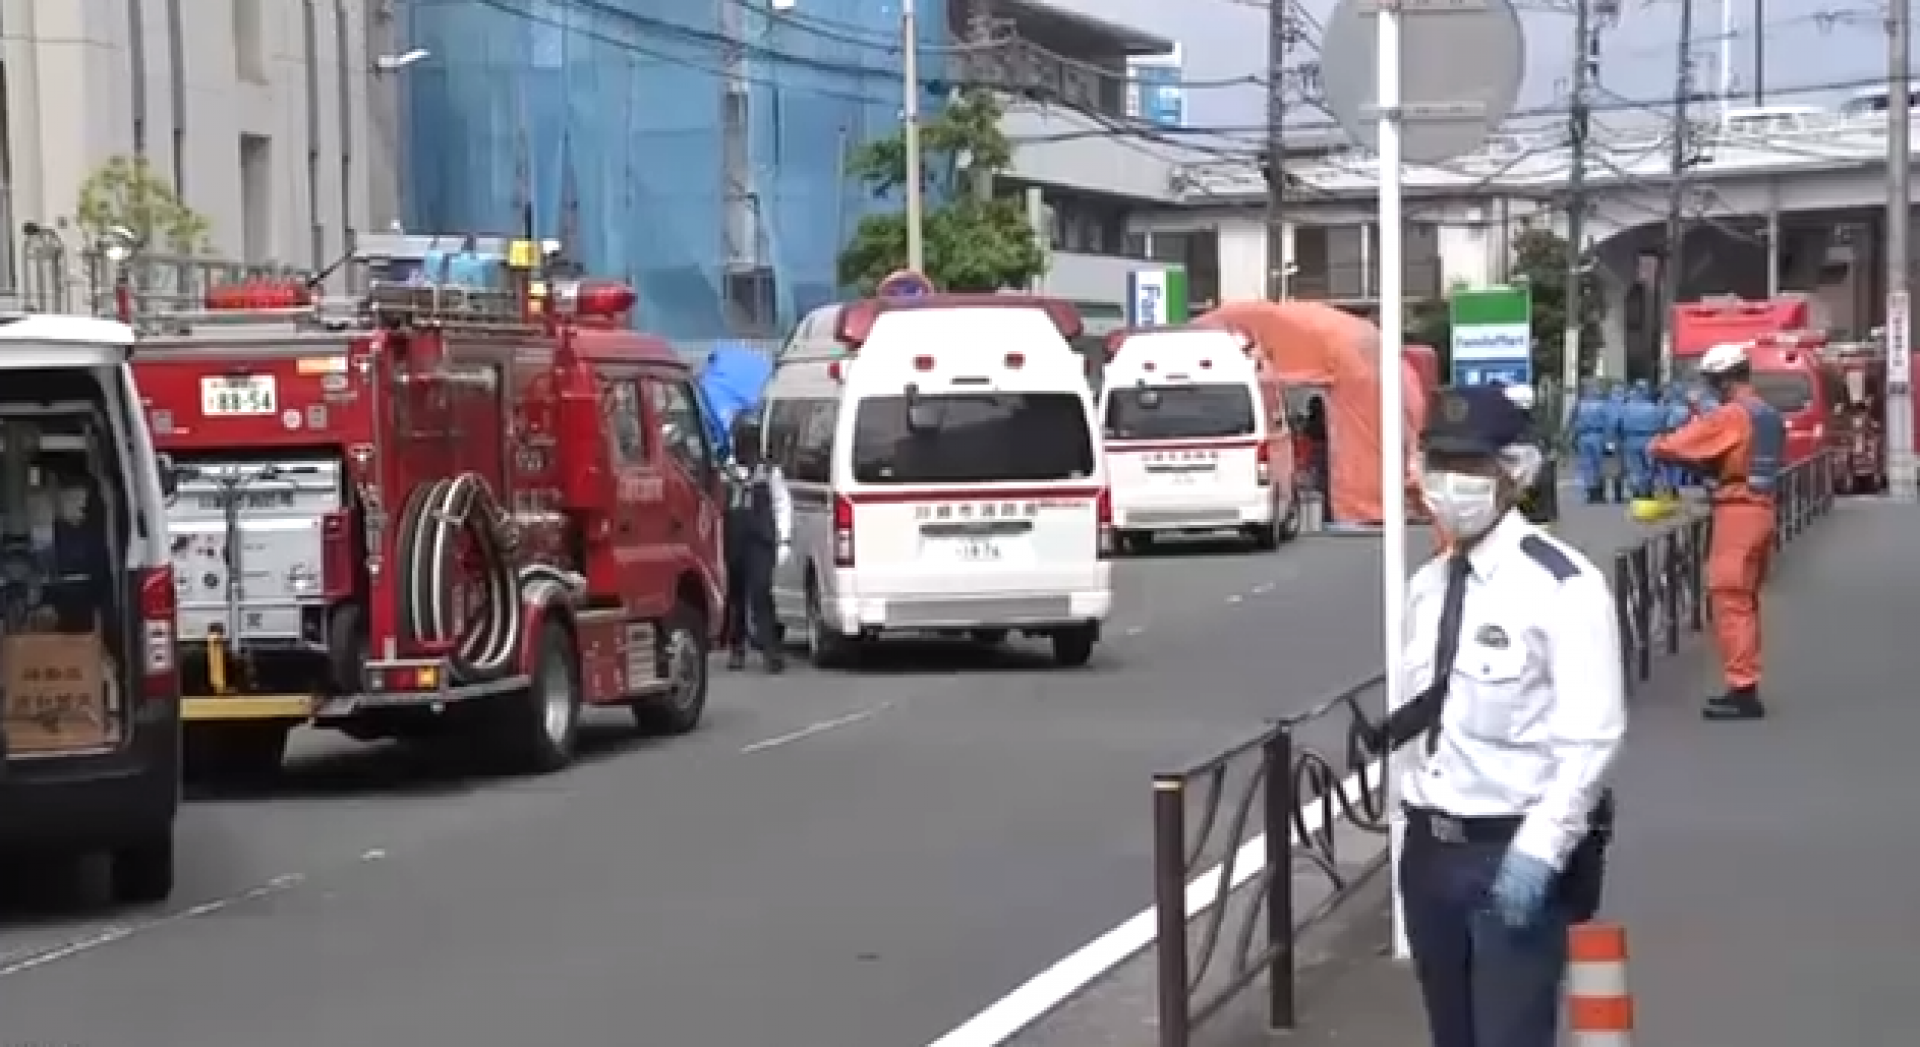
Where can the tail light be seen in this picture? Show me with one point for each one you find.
(842, 531)
(1263, 464)
(1103, 519)
(160, 677)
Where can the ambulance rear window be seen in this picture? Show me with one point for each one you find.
(1785, 391)
(971, 438)
(1179, 412)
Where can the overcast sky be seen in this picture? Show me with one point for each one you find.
(1810, 44)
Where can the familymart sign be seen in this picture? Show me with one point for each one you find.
(1492, 336)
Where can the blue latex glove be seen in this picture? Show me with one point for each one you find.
(1519, 893)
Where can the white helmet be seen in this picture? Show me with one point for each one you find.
(1723, 358)
(1521, 396)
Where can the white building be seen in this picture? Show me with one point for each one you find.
(266, 115)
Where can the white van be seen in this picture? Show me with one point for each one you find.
(87, 597)
(1197, 438)
(946, 475)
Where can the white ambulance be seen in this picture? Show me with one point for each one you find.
(1197, 438)
(945, 466)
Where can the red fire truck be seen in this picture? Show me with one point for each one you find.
(431, 511)
(1699, 326)
(1858, 432)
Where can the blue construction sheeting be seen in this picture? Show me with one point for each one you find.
(600, 121)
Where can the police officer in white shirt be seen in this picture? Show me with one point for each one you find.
(1513, 657)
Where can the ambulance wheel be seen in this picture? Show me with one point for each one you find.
(987, 637)
(1073, 646)
(141, 873)
(1289, 528)
(237, 753)
(826, 648)
(683, 662)
(536, 730)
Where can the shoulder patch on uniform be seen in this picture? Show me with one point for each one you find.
(1549, 556)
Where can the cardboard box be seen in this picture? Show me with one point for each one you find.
(55, 695)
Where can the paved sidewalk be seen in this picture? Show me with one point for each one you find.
(1765, 871)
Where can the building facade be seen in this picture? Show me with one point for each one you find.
(259, 115)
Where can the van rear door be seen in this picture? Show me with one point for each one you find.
(1178, 440)
(991, 488)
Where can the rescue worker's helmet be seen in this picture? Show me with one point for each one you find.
(1724, 358)
(1521, 395)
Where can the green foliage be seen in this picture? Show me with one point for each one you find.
(127, 192)
(1540, 258)
(973, 243)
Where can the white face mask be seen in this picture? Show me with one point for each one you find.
(1466, 505)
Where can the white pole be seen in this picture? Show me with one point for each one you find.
(1393, 460)
(1726, 58)
(910, 132)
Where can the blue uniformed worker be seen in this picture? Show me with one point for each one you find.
(1641, 419)
(759, 536)
(1588, 428)
(1513, 660)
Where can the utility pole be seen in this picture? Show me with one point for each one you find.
(1278, 40)
(1672, 265)
(910, 134)
(1900, 464)
(1759, 53)
(1586, 63)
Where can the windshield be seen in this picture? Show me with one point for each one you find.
(62, 535)
(1179, 412)
(1785, 391)
(972, 438)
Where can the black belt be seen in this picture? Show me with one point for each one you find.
(1448, 828)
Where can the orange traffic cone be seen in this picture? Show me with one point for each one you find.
(1599, 1007)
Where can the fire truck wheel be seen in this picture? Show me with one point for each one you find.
(538, 727)
(683, 657)
(234, 754)
(826, 649)
(141, 873)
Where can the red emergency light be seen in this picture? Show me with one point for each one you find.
(259, 294)
(857, 318)
(601, 299)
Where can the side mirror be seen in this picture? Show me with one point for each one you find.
(169, 475)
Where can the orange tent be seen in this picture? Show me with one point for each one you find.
(1311, 343)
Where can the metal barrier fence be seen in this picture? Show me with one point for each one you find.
(1295, 796)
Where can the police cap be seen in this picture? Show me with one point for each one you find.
(1477, 419)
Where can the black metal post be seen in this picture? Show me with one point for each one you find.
(1170, 907)
(1622, 590)
(1672, 562)
(1697, 572)
(1643, 608)
(1282, 1007)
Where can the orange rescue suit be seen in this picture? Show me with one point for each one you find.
(1720, 445)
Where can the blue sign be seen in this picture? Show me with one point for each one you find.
(1493, 372)
(904, 284)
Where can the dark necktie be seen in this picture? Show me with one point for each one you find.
(1447, 645)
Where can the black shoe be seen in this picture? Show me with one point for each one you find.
(1595, 496)
(1740, 703)
(776, 664)
(737, 659)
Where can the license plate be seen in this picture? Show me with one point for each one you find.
(976, 550)
(225, 396)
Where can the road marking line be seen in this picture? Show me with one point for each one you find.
(819, 727)
(1135, 630)
(1263, 588)
(121, 932)
(1235, 598)
(1042, 994)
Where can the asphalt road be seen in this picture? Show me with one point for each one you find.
(835, 860)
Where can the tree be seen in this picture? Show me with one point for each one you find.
(126, 192)
(975, 242)
(1540, 258)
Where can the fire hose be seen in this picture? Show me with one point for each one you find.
(483, 641)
